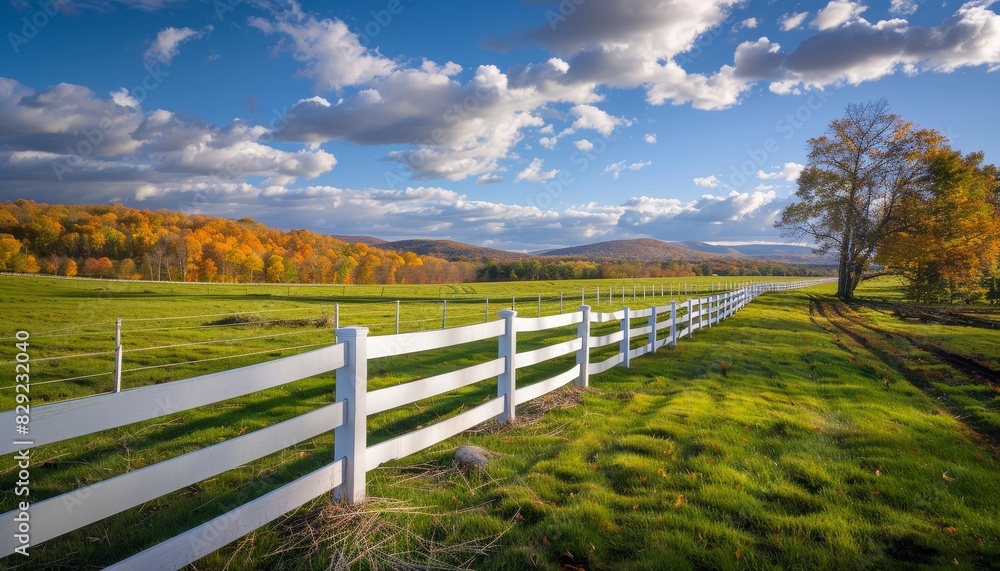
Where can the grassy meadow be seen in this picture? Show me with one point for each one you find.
(175, 331)
(803, 433)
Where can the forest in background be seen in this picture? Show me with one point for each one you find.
(114, 241)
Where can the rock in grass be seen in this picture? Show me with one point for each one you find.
(470, 457)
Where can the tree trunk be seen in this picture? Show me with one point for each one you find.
(844, 289)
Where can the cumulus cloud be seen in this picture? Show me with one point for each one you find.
(619, 167)
(62, 116)
(789, 172)
(534, 173)
(436, 212)
(590, 117)
(749, 23)
(67, 134)
(650, 138)
(857, 51)
(707, 181)
(637, 47)
(489, 179)
(904, 7)
(167, 44)
(791, 21)
(584, 145)
(735, 216)
(837, 13)
(453, 130)
(333, 55)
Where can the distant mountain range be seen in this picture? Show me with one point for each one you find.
(451, 250)
(770, 252)
(644, 249)
(640, 249)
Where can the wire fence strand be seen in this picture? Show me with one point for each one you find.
(134, 369)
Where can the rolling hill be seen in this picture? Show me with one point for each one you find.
(452, 251)
(642, 249)
(769, 252)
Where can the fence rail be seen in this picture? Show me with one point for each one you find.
(345, 475)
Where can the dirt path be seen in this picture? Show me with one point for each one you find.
(839, 317)
(942, 315)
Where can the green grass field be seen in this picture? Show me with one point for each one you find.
(175, 331)
(802, 433)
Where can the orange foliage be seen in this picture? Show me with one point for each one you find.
(106, 240)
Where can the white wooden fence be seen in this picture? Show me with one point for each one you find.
(347, 417)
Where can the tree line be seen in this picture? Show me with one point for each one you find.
(880, 190)
(114, 241)
(535, 269)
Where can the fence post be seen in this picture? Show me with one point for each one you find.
(350, 440)
(560, 303)
(444, 314)
(539, 305)
(397, 317)
(711, 306)
(673, 323)
(336, 317)
(690, 319)
(652, 329)
(486, 314)
(626, 343)
(507, 350)
(118, 355)
(583, 355)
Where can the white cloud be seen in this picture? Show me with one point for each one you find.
(619, 167)
(904, 7)
(166, 46)
(333, 55)
(837, 13)
(124, 99)
(859, 51)
(489, 179)
(584, 145)
(590, 117)
(789, 172)
(749, 23)
(548, 142)
(736, 216)
(650, 138)
(639, 47)
(707, 181)
(108, 148)
(791, 21)
(460, 129)
(534, 173)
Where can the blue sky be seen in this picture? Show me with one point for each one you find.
(515, 124)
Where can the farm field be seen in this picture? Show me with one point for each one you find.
(801, 433)
(172, 331)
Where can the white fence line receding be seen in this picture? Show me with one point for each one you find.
(345, 475)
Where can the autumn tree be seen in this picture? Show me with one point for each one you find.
(275, 270)
(951, 235)
(859, 173)
(252, 263)
(9, 247)
(126, 269)
(68, 269)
